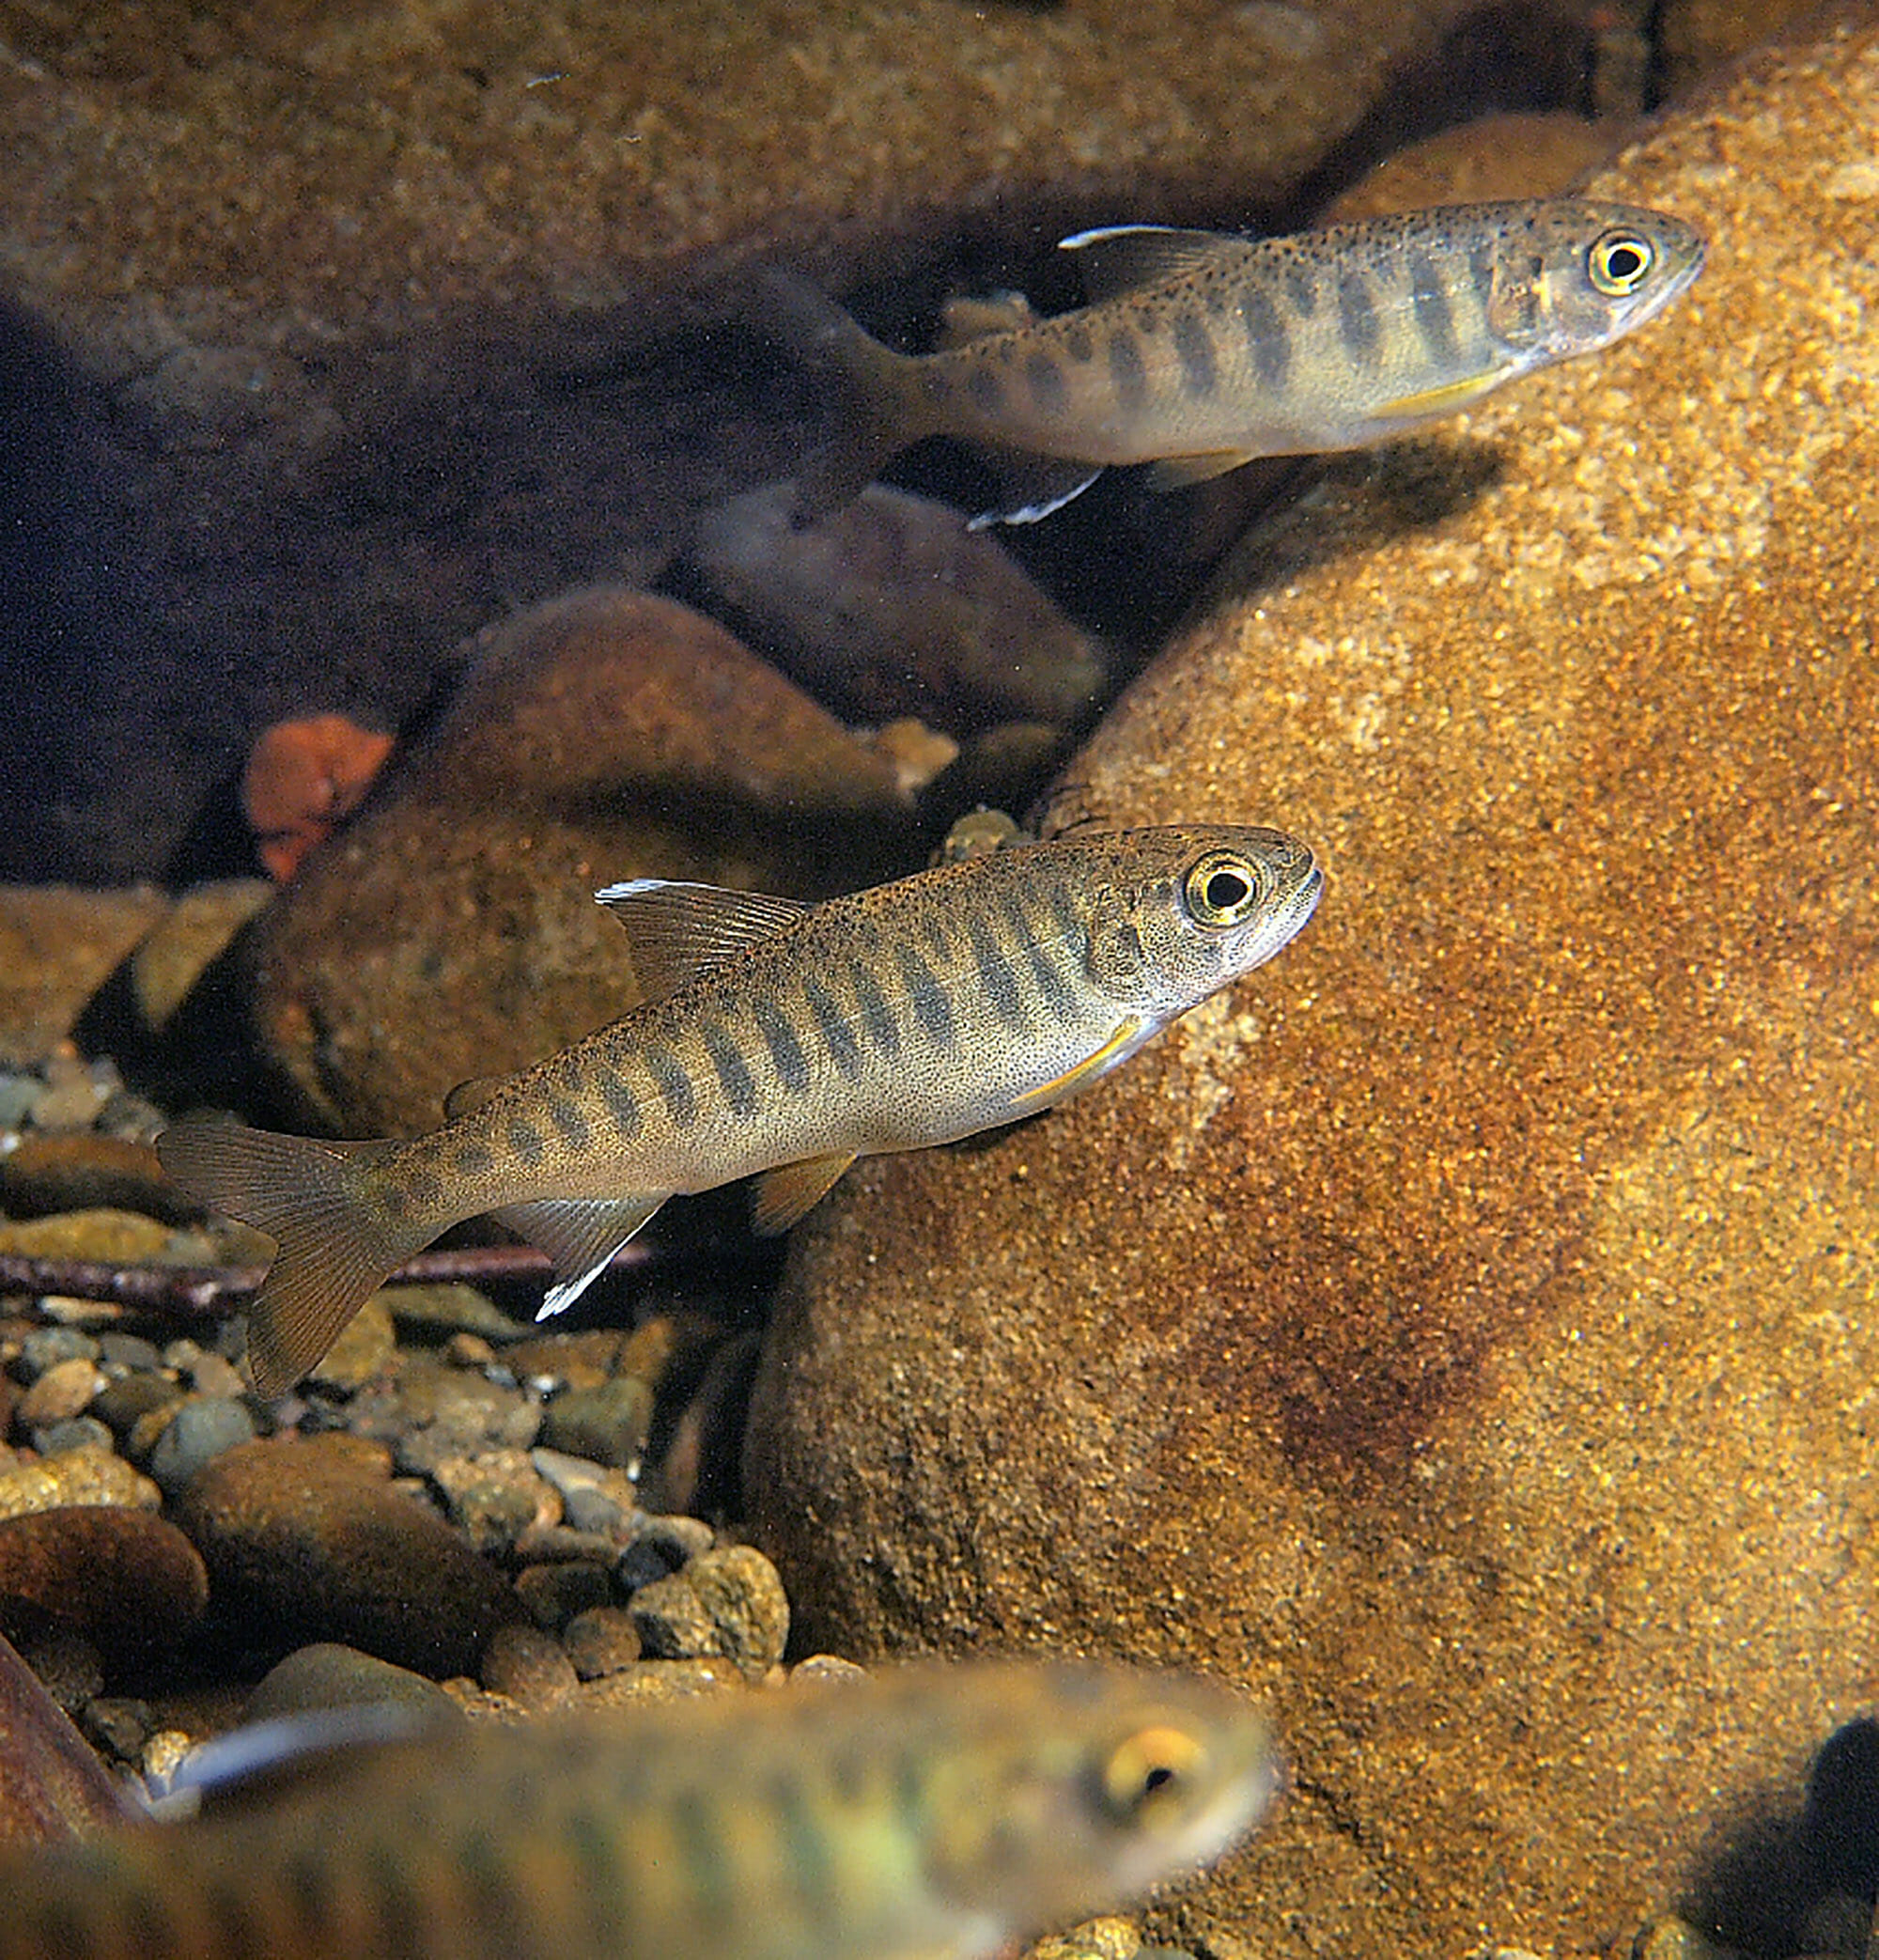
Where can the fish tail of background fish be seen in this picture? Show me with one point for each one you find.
(881, 406)
(339, 1235)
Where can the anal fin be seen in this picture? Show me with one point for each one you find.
(786, 1193)
(580, 1235)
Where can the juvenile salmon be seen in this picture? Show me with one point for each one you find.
(936, 1811)
(777, 1039)
(1200, 349)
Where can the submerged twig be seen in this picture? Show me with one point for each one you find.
(201, 1289)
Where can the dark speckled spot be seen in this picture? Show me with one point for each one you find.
(425, 1190)
(571, 1122)
(525, 1139)
(1078, 346)
(473, 1161)
(987, 391)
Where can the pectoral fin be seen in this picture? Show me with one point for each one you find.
(580, 1235)
(786, 1193)
(1129, 1036)
(1444, 400)
(1178, 472)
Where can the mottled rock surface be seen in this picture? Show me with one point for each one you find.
(57, 948)
(308, 1539)
(452, 932)
(1463, 1331)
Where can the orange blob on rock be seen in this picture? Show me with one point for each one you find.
(303, 779)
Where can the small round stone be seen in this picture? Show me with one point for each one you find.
(602, 1641)
(196, 1435)
(528, 1665)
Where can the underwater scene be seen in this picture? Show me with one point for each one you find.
(940, 980)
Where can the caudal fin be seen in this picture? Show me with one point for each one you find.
(875, 408)
(313, 1198)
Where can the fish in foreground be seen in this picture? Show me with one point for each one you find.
(932, 1810)
(778, 1039)
(1201, 351)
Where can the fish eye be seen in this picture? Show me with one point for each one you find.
(1619, 262)
(1150, 1770)
(1222, 888)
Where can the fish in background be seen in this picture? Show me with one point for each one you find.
(1201, 351)
(777, 1041)
(893, 606)
(929, 1810)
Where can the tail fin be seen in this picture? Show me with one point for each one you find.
(876, 401)
(313, 1199)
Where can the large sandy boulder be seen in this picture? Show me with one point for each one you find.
(1464, 1332)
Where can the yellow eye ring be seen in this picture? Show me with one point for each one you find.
(1150, 1768)
(1221, 888)
(1619, 262)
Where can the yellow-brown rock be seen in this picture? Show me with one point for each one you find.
(1464, 1332)
(451, 930)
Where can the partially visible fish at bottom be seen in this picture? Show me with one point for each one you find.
(932, 1810)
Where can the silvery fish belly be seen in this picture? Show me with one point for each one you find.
(932, 1810)
(1202, 350)
(779, 1040)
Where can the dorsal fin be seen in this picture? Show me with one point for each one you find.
(680, 931)
(472, 1094)
(1119, 259)
(963, 318)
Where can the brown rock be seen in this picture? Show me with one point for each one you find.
(187, 940)
(127, 1579)
(326, 1675)
(1459, 1333)
(57, 948)
(452, 930)
(55, 1787)
(65, 1388)
(307, 1540)
(83, 1173)
(89, 1475)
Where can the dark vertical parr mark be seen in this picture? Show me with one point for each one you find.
(525, 1141)
(706, 1856)
(987, 391)
(1128, 376)
(1049, 393)
(931, 1008)
(1356, 317)
(1194, 349)
(785, 1050)
(734, 1076)
(1267, 341)
(622, 1106)
(673, 1084)
(812, 1861)
(571, 1122)
(1434, 317)
(1301, 288)
(883, 1030)
(1052, 987)
(1077, 344)
(996, 978)
(837, 1037)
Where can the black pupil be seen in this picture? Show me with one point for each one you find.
(1158, 1779)
(1225, 890)
(1623, 262)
